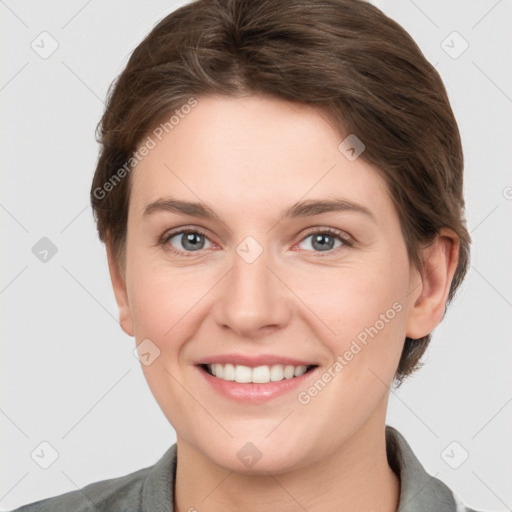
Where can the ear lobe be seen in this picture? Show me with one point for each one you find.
(440, 262)
(119, 286)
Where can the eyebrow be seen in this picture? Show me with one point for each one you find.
(308, 208)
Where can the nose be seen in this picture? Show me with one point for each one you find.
(254, 299)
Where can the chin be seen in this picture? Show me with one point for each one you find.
(258, 457)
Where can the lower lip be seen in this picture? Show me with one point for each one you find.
(251, 392)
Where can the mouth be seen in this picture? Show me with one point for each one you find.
(255, 378)
(263, 374)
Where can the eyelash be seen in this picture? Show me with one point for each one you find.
(346, 241)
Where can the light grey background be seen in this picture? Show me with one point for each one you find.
(68, 374)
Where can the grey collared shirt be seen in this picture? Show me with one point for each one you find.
(151, 489)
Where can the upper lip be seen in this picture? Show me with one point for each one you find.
(253, 361)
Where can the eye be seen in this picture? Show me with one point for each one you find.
(324, 240)
(185, 241)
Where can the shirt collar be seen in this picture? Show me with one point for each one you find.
(419, 491)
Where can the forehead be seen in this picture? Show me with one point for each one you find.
(247, 155)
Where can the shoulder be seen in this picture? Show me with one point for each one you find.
(461, 507)
(141, 490)
(122, 493)
(419, 491)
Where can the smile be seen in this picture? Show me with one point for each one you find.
(256, 375)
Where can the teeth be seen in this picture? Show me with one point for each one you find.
(261, 374)
(299, 370)
(229, 372)
(276, 373)
(289, 372)
(258, 375)
(243, 374)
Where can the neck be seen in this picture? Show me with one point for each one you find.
(356, 477)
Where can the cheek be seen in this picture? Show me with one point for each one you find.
(162, 298)
(162, 307)
(366, 311)
(350, 299)
(364, 306)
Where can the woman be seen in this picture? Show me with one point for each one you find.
(280, 194)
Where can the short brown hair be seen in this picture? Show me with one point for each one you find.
(344, 57)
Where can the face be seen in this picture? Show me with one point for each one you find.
(257, 251)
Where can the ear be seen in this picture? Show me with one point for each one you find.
(430, 294)
(119, 286)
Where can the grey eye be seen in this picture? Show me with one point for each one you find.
(323, 241)
(188, 241)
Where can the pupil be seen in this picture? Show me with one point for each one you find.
(321, 240)
(191, 240)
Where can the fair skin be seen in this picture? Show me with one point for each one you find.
(248, 160)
